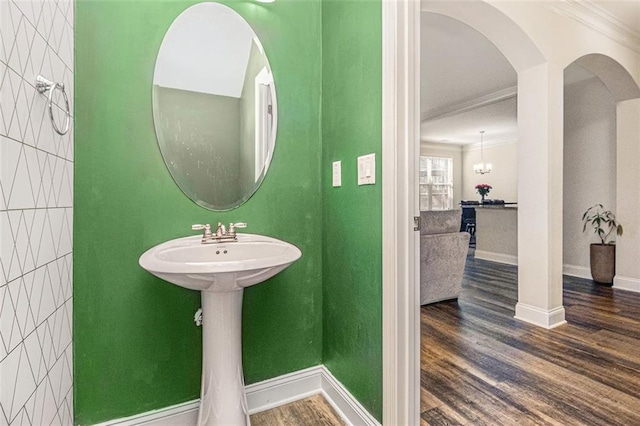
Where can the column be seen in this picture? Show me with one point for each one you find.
(540, 168)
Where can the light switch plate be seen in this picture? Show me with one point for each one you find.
(337, 174)
(367, 169)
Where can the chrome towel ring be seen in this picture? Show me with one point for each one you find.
(43, 85)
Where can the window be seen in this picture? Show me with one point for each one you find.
(436, 183)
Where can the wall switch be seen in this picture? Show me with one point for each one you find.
(367, 169)
(337, 173)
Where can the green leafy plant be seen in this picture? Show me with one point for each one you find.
(603, 222)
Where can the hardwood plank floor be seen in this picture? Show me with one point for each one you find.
(312, 411)
(480, 366)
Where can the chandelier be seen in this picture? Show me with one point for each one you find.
(482, 167)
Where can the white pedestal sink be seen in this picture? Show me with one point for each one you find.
(221, 271)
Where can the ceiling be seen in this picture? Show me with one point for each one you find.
(458, 64)
(459, 69)
(498, 120)
(469, 86)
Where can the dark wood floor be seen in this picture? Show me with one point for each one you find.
(482, 367)
(312, 411)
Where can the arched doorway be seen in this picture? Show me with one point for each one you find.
(538, 82)
(600, 164)
(539, 174)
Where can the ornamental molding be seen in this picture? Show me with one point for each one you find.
(470, 105)
(491, 144)
(595, 17)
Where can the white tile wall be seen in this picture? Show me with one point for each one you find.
(36, 216)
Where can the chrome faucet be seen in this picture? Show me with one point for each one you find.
(232, 228)
(221, 235)
(221, 231)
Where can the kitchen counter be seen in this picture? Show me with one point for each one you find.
(497, 233)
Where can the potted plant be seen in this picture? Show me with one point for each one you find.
(602, 255)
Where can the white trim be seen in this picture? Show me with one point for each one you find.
(626, 283)
(543, 318)
(619, 282)
(265, 396)
(343, 402)
(470, 105)
(185, 413)
(453, 148)
(284, 389)
(476, 145)
(509, 259)
(400, 156)
(576, 271)
(593, 16)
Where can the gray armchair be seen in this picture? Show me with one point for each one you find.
(443, 253)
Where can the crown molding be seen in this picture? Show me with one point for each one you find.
(482, 101)
(476, 145)
(595, 17)
(441, 146)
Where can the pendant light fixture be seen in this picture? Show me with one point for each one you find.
(482, 167)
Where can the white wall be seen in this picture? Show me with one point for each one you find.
(36, 217)
(448, 151)
(589, 162)
(217, 67)
(503, 178)
(628, 205)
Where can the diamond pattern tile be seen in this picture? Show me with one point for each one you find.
(8, 104)
(36, 216)
(5, 100)
(38, 49)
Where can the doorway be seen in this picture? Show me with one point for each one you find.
(401, 327)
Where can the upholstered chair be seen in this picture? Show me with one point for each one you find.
(443, 253)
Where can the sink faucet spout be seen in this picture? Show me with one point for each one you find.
(221, 234)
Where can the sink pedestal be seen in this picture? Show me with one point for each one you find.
(223, 400)
(220, 272)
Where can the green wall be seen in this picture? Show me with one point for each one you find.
(135, 345)
(352, 215)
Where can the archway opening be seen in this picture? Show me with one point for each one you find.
(469, 85)
(599, 141)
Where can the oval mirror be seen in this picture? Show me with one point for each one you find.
(214, 106)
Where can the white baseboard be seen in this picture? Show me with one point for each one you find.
(626, 283)
(540, 317)
(496, 257)
(284, 389)
(344, 403)
(184, 414)
(577, 271)
(265, 396)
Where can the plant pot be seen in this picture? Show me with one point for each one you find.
(603, 262)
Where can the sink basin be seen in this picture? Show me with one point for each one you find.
(221, 271)
(219, 267)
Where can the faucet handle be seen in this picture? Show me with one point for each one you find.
(233, 226)
(198, 227)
